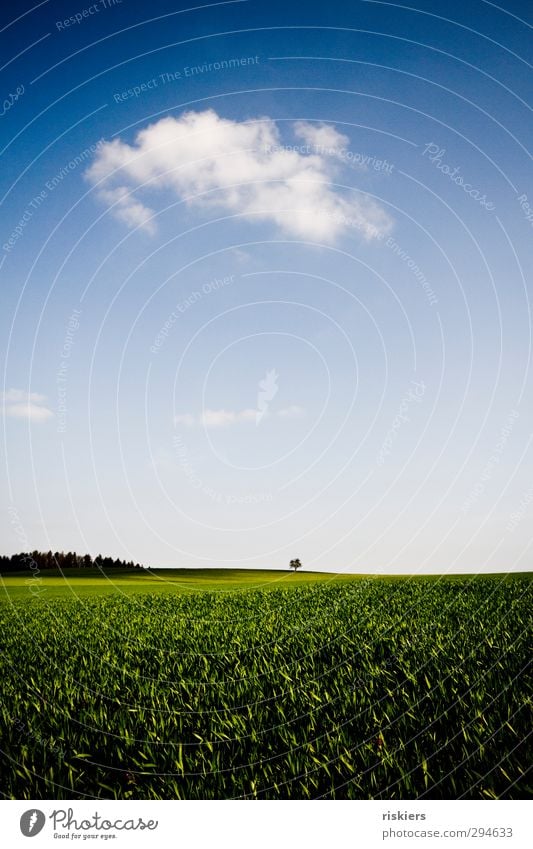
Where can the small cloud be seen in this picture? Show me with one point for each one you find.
(213, 419)
(218, 418)
(128, 209)
(18, 404)
(323, 137)
(222, 418)
(241, 256)
(293, 412)
(184, 419)
(15, 396)
(32, 412)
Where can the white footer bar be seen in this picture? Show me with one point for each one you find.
(268, 825)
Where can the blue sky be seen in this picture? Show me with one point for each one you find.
(265, 284)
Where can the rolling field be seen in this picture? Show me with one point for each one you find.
(220, 684)
(84, 583)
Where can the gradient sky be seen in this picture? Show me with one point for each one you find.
(277, 306)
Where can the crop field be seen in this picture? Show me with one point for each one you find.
(84, 583)
(370, 688)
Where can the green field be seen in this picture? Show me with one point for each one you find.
(82, 583)
(234, 684)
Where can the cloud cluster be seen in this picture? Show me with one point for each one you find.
(223, 418)
(18, 404)
(239, 167)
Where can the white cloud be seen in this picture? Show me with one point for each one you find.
(128, 209)
(223, 418)
(321, 136)
(15, 396)
(292, 412)
(32, 412)
(236, 166)
(184, 419)
(18, 404)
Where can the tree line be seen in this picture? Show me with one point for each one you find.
(40, 560)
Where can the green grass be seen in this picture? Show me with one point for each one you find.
(84, 583)
(306, 687)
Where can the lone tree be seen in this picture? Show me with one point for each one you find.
(295, 564)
